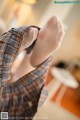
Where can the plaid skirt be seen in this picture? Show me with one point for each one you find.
(20, 99)
(10, 43)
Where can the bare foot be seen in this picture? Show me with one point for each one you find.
(49, 39)
(29, 38)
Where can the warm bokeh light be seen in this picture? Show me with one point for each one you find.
(30, 1)
(62, 85)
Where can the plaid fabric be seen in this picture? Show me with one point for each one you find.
(43, 96)
(20, 99)
(10, 43)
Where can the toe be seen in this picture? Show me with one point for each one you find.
(52, 21)
(61, 31)
(60, 26)
(60, 36)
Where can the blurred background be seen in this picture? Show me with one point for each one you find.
(63, 81)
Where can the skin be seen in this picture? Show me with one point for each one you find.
(49, 39)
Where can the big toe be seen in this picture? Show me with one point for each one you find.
(52, 21)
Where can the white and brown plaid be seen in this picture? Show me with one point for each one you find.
(19, 99)
(10, 43)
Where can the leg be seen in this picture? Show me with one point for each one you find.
(49, 39)
(20, 99)
(20, 67)
(10, 44)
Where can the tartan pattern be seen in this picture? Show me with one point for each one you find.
(10, 43)
(44, 94)
(20, 99)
